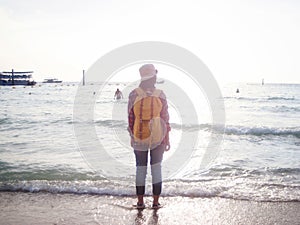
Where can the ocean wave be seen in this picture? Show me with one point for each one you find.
(228, 130)
(6, 121)
(259, 131)
(16, 172)
(241, 98)
(112, 123)
(234, 189)
(30, 122)
(72, 187)
(262, 99)
(227, 181)
(240, 130)
(281, 98)
(282, 108)
(121, 124)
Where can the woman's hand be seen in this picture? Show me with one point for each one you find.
(167, 142)
(167, 147)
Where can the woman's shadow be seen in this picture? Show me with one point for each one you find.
(141, 218)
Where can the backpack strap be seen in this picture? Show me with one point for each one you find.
(140, 92)
(156, 93)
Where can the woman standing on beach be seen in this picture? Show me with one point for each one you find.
(148, 121)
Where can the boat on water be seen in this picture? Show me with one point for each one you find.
(52, 80)
(13, 78)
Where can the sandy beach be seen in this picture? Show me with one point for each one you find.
(46, 208)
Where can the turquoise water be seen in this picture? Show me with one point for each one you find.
(258, 160)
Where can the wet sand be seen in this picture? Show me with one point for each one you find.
(45, 208)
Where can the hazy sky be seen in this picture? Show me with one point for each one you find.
(239, 40)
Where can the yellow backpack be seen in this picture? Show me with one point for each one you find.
(149, 129)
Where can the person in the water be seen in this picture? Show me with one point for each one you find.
(118, 94)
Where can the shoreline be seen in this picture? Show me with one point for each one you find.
(48, 208)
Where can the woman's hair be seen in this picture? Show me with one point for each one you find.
(149, 83)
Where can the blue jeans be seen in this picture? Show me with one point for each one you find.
(141, 157)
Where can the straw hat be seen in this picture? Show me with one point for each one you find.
(147, 71)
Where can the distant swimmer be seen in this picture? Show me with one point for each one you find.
(118, 94)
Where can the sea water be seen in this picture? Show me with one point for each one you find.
(258, 158)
